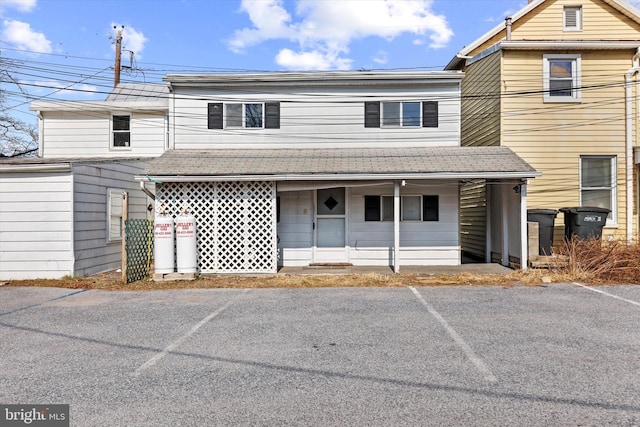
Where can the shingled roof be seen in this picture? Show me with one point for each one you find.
(345, 163)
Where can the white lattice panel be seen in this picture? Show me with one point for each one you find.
(236, 229)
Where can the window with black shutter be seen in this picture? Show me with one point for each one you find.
(372, 114)
(372, 208)
(272, 115)
(430, 114)
(214, 115)
(430, 208)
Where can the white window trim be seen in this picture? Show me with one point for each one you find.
(401, 125)
(421, 196)
(577, 61)
(579, 23)
(244, 115)
(111, 133)
(114, 192)
(613, 221)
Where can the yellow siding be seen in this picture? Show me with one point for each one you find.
(481, 103)
(553, 136)
(545, 22)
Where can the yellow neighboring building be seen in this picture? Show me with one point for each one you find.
(557, 83)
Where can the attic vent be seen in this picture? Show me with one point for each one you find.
(573, 18)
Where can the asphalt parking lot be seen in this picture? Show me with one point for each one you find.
(557, 355)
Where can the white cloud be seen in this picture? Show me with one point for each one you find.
(78, 89)
(324, 30)
(19, 5)
(23, 37)
(381, 57)
(132, 39)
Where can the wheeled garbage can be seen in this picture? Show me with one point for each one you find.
(585, 222)
(545, 219)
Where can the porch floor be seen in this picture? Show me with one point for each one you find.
(479, 268)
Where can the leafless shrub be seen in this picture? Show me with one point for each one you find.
(601, 261)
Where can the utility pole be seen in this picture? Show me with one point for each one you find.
(116, 72)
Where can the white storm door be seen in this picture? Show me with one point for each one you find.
(330, 226)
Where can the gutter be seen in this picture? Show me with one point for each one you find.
(628, 95)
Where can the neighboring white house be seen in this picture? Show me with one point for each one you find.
(60, 213)
(359, 168)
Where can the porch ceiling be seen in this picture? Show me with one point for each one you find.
(344, 163)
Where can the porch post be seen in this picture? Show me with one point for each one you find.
(504, 199)
(524, 235)
(396, 227)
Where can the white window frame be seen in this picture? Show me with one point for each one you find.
(389, 216)
(244, 115)
(401, 114)
(114, 194)
(578, 11)
(576, 77)
(114, 131)
(612, 219)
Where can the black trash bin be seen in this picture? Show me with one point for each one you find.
(545, 219)
(585, 222)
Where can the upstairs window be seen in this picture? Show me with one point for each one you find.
(572, 18)
(561, 78)
(255, 115)
(401, 114)
(121, 130)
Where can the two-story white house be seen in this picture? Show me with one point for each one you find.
(279, 169)
(361, 168)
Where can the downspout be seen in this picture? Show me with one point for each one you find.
(146, 191)
(40, 134)
(628, 79)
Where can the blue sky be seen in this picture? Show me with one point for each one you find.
(65, 48)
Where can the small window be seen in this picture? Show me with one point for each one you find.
(598, 184)
(121, 131)
(248, 116)
(412, 208)
(561, 78)
(573, 18)
(115, 215)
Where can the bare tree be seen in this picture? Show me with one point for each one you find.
(17, 138)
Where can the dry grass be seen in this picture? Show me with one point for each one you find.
(591, 262)
(601, 261)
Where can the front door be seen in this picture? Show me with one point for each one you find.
(330, 226)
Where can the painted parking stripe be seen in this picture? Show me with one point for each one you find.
(171, 347)
(473, 358)
(606, 293)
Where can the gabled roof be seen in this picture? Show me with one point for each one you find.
(344, 163)
(621, 5)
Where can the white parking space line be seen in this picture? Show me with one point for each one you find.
(607, 294)
(155, 359)
(477, 361)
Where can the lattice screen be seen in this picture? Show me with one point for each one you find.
(235, 223)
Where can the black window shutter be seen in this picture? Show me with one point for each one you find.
(214, 115)
(430, 114)
(430, 208)
(372, 208)
(272, 115)
(372, 114)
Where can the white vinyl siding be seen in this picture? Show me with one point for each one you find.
(313, 117)
(36, 225)
(89, 134)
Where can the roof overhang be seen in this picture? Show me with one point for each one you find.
(100, 106)
(437, 163)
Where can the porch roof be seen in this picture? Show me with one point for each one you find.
(338, 163)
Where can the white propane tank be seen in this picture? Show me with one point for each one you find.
(163, 250)
(186, 243)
